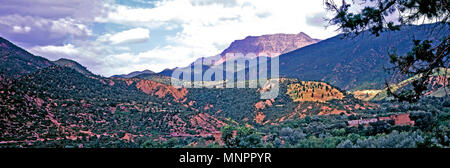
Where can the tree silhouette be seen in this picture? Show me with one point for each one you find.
(425, 56)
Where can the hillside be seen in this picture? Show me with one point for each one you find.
(155, 77)
(438, 81)
(74, 65)
(14, 61)
(69, 107)
(23, 116)
(353, 63)
(65, 107)
(60, 107)
(247, 107)
(313, 91)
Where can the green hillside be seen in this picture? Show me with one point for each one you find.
(74, 65)
(382, 94)
(353, 63)
(75, 107)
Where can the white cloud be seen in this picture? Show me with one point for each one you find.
(70, 26)
(130, 36)
(205, 29)
(35, 30)
(208, 27)
(67, 49)
(156, 60)
(20, 29)
(248, 14)
(46, 22)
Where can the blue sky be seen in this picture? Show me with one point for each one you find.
(120, 36)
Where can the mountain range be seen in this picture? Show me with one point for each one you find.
(350, 63)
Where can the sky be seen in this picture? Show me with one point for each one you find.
(112, 37)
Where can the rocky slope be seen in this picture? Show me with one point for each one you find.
(275, 43)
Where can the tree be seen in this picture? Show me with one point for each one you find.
(425, 56)
(245, 137)
(277, 143)
(422, 119)
(250, 141)
(227, 137)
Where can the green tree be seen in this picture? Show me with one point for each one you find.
(245, 137)
(248, 138)
(228, 137)
(425, 55)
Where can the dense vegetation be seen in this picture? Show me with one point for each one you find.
(431, 129)
(59, 105)
(353, 63)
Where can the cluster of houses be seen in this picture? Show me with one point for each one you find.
(399, 119)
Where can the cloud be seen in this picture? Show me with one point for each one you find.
(185, 29)
(318, 19)
(44, 22)
(67, 49)
(225, 3)
(156, 59)
(32, 30)
(212, 25)
(81, 9)
(20, 29)
(215, 24)
(205, 28)
(136, 35)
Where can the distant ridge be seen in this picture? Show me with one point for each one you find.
(133, 74)
(74, 65)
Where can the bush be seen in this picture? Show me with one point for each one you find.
(422, 119)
